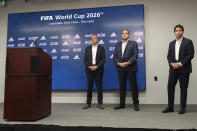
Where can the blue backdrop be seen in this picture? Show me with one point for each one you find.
(65, 34)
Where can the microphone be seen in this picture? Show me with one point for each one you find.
(35, 42)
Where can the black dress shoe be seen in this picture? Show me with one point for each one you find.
(167, 110)
(182, 111)
(119, 107)
(136, 108)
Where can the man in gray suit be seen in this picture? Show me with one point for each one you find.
(125, 58)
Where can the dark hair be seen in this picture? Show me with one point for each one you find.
(179, 26)
(94, 35)
(126, 30)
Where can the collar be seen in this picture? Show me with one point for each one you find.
(95, 45)
(125, 41)
(180, 39)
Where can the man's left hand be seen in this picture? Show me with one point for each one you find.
(125, 64)
(176, 65)
(94, 68)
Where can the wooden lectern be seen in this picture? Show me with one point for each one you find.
(27, 84)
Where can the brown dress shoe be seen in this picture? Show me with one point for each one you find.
(101, 106)
(86, 106)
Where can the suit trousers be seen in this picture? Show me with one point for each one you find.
(174, 76)
(97, 77)
(131, 75)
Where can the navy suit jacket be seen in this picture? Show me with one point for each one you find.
(186, 54)
(130, 55)
(100, 58)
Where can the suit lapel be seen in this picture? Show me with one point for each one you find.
(181, 46)
(120, 48)
(125, 50)
(173, 49)
(97, 52)
(90, 53)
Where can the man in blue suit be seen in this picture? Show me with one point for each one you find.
(180, 54)
(94, 60)
(125, 58)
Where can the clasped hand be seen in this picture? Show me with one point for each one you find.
(175, 65)
(124, 64)
(93, 68)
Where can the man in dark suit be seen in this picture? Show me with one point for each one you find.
(94, 61)
(125, 58)
(180, 54)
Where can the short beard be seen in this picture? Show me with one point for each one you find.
(125, 39)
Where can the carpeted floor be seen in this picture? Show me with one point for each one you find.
(27, 127)
(149, 117)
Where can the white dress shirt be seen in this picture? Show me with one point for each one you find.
(177, 47)
(124, 44)
(94, 50)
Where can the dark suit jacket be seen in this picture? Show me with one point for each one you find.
(100, 58)
(186, 53)
(130, 55)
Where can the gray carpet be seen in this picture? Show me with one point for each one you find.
(149, 116)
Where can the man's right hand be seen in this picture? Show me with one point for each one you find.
(93, 68)
(125, 64)
(175, 65)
